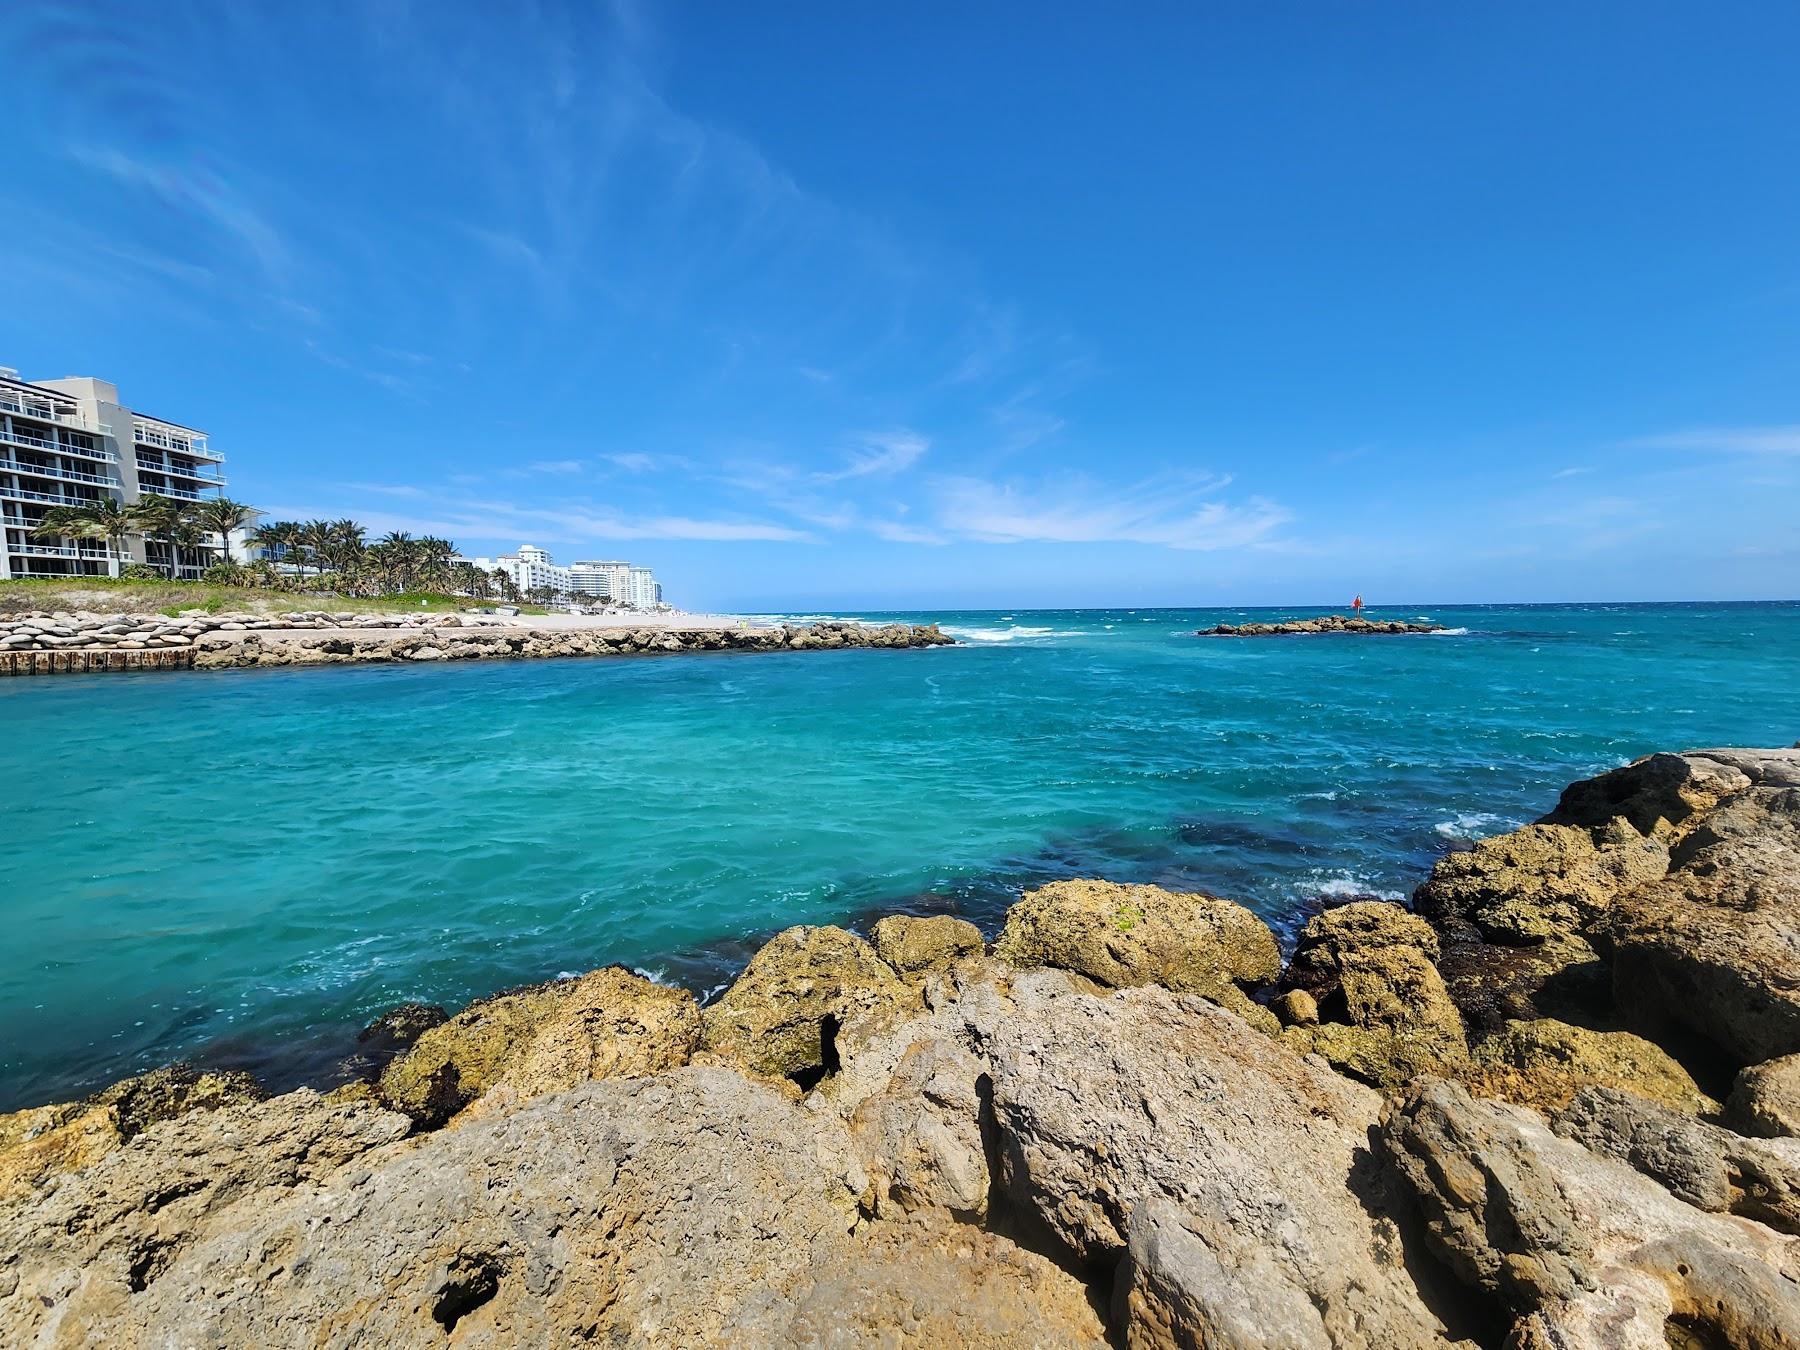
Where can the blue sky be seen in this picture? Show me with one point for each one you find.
(944, 305)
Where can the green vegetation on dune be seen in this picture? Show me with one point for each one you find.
(130, 596)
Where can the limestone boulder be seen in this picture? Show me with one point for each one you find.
(921, 1136)
(1661, 795)
(1124, 936)
(610, 1023)
(1541, 882)
(925, 946)
(1544, 1063)
(1583, 1249)
(1708, 1167)
(695, 1207)
(1226, 1179)
(38, 1144)
(1765, 1099)
(1714, 947)
(781, 1017)
(1382, 1012)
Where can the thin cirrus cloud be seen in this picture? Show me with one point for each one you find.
(879, 454)
(1077, 511)
(1783, 440)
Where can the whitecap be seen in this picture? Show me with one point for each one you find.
(1451, 632)
(996, 634)
(1474, 825)
(1349, 886)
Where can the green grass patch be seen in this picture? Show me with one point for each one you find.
(113, 595)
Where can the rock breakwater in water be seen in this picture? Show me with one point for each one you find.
(226, 640)
(1554, 1103)
(1325, 623)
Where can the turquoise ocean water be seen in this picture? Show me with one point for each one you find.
(244, 867)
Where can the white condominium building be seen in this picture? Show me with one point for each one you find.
(70, 442)
(532, 568)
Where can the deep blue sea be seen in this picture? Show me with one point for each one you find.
(244, 867)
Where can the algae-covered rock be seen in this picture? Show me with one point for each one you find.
(609, 1023)
(1382, 1013)
(1660, 794)
(1714, 947)
(1124, 936)
(915, 946)
(1544, 1063)
(780, 1018)
(47, 1140)
(1540, 882)
(1765, 1099)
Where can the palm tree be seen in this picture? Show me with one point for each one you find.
(276, 539)
(185, 537)
(153, 513)
(503, 582)
(402, 554)
(221, 515)
(316, 538)
(104, 519)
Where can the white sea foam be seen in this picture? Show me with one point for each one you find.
(1348, 886)
(998, 634)
(1475, 825)
(1451, 632)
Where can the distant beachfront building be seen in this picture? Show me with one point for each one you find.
(532, 568)
(70, 442)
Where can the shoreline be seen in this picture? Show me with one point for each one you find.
(1433, 1094)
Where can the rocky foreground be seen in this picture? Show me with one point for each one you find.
(1556, 1103)
(230, 640)
(1325, 623)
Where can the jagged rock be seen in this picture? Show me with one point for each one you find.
(78, 1254)
(1660, 794)
(1325, 623)
(1105, 1106)
(922, 946)
(1123, 936)
(920, 1137)
(1765, 1099)
(1709, 1168)
(1540, 882)
(1581, 1248)
(1383, 1014)
(541, 1039)
(782, 1015)
(1543, 1063)
(39, 1143)
(1714, 947)
(692, 1207)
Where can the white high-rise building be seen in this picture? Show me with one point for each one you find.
(70, 442)
(531, 567)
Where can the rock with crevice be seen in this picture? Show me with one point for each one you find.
(694, 1207)
(921, 1136)
(1124, 936)
(1157, 1133)
(925, 946)
(1580, 1248)
(527, 1042)
(42, 1142)
(1710, 1168)
(1713, 948)
(1662, 794)
(1381, 1012)
(781, 1017)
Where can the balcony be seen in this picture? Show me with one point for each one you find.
(59, 551)
(45, 471)
(176, 470)
(17, 437)
(167, 436)
(182, 493)
(21, 495)
(44, 408)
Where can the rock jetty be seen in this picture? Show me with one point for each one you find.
(1552, 1103)
(228, 640)
(1325, 623)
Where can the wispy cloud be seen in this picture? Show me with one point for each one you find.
(1572, 472)
(556, 466)
(880, 453)
(1782, 440)
(1163, 511)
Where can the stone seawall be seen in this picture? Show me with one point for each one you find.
(83, 643)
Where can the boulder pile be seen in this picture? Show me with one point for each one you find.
(317, 637)
(1325, 623)
(1554, 1103)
